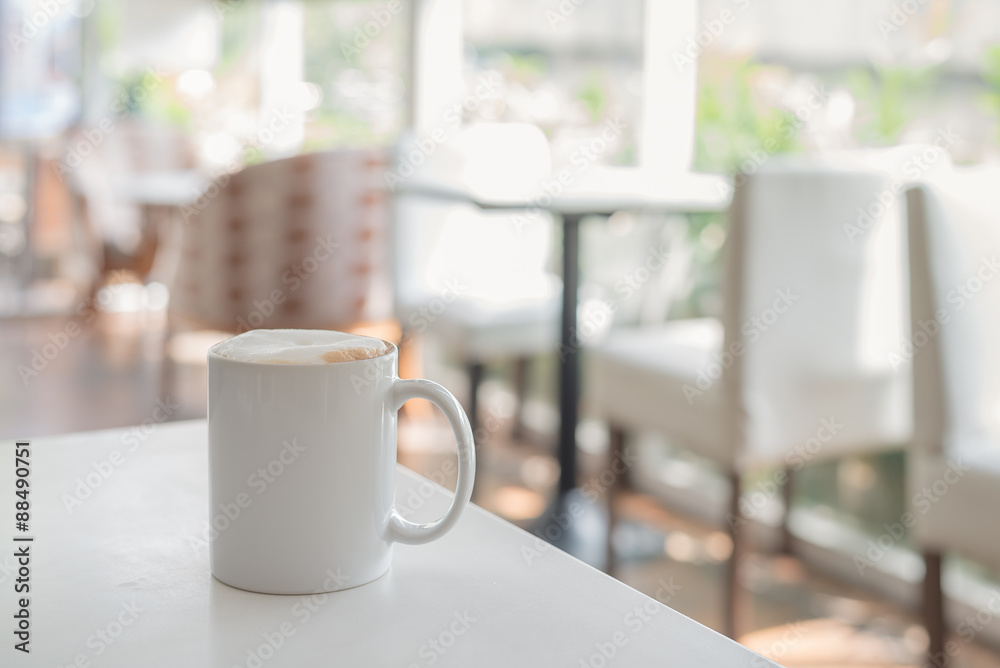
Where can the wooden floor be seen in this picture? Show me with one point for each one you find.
(108, 375)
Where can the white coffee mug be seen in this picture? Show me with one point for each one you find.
(302, 461)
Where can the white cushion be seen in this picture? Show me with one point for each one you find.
(668, 378)
(478, 329)
(637, 380)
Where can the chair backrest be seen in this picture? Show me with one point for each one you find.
(814, 309)
(299, 242)
(495, 256)
(954, 228)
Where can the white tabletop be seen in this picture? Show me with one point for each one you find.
(171, 187)
(123, 580)
(596, 190)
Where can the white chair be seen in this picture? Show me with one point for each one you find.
(478, 282)
(954, 227)
(800, 354)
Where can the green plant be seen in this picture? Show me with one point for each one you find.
(152, 98)
(991, 78)
(887, 99)
(526, 68)
(593, 96)
(734, 120)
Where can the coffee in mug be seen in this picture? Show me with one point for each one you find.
(301, 346)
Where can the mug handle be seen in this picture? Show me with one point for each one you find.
(414, 533)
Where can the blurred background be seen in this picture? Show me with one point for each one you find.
(141, 143)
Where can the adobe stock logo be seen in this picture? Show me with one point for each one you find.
(711, 30)
(364, 35)
(635, 620)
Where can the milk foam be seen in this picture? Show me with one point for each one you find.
(300, 346)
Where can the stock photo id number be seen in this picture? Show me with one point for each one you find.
(22, 544)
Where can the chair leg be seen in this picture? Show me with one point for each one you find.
(522, 368)
(736, 595)
(167, 367)
(933, 606)
(787, 493)
(619, 483)
(475, 370)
